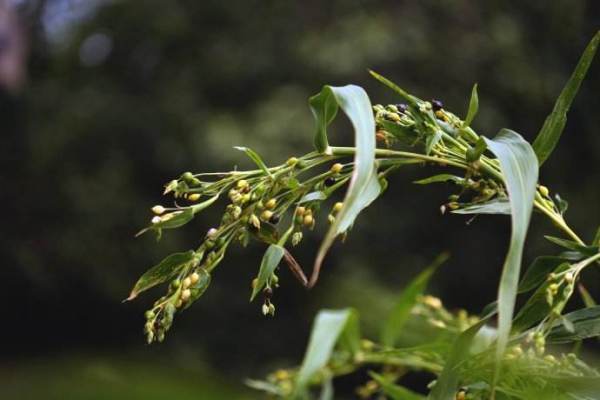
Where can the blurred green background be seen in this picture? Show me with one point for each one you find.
(102, 102)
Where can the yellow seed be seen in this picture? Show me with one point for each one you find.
(254, 283)
(186, 283)
(193, 197)
(300, 211)
(461, 395)
(266, 215)
(308, 220)
(282, 375)
(271, 204)
(158, 209)
(242, 183)
(338, 206)
(336, 168)
(194, 278)
(544, 191)
(185, 295)
(179, 303)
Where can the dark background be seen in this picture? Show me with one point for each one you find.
(103, 102)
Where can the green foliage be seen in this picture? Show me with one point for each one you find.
(548, 137)
(500, 176)
(519, 167)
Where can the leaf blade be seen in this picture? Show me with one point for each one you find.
(519, 166)
(161, 272)
(364, 185)
(550, 133)
(269, 262)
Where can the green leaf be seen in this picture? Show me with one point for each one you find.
(474, 153)
(538, 272)
(440, 178)
(313, 196)
(364, 185)
(596, 241)
(393, 391)
(448, 380)
(162, 272)
(327, 329)
(254, 157)
(269, 262)
(402, 133)
(587, 298)
(586, 324)
(396, 320)
(548, 137)
(431, 140)
(473, 107)
(519, 167)
(498, 205)
(587, 251)
(537, 307)
(324, 107)
(180, 218)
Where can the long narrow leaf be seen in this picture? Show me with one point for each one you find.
(326, 331)
(393, 391)
(554, 124)
(519, 166)
(395, 322)
(364, 186)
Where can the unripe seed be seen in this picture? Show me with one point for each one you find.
(292, 161)
(569, 277)
(338, 206)
(242, 184)
(336, 168)
(265, 309)
(187, 176)
(254, 221)
(194, 278)
(158, 209)
(185, 295)
(193, 197)
(544, 191)
(149, 314)
(296, 238)
(270, 204)
(186, 283)
(149, 327)
(156, 219)
(179, 303)
(212, 232)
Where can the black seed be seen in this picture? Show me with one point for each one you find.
(436, 105)
(402, 107)
(268, 292)
(329, 182)
(274, 219)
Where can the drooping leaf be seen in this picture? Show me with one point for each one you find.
(254, 157)
(548, 137)
(269, 262)
(162, 272)
(448, 380)
(498, 205)
(440, 178)
(587, 298)
(585, 322)
(364, 185)
(519, 166)
(538, 272)
(393, 391)
(473, 107)
(395, 322)
(328, 327)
